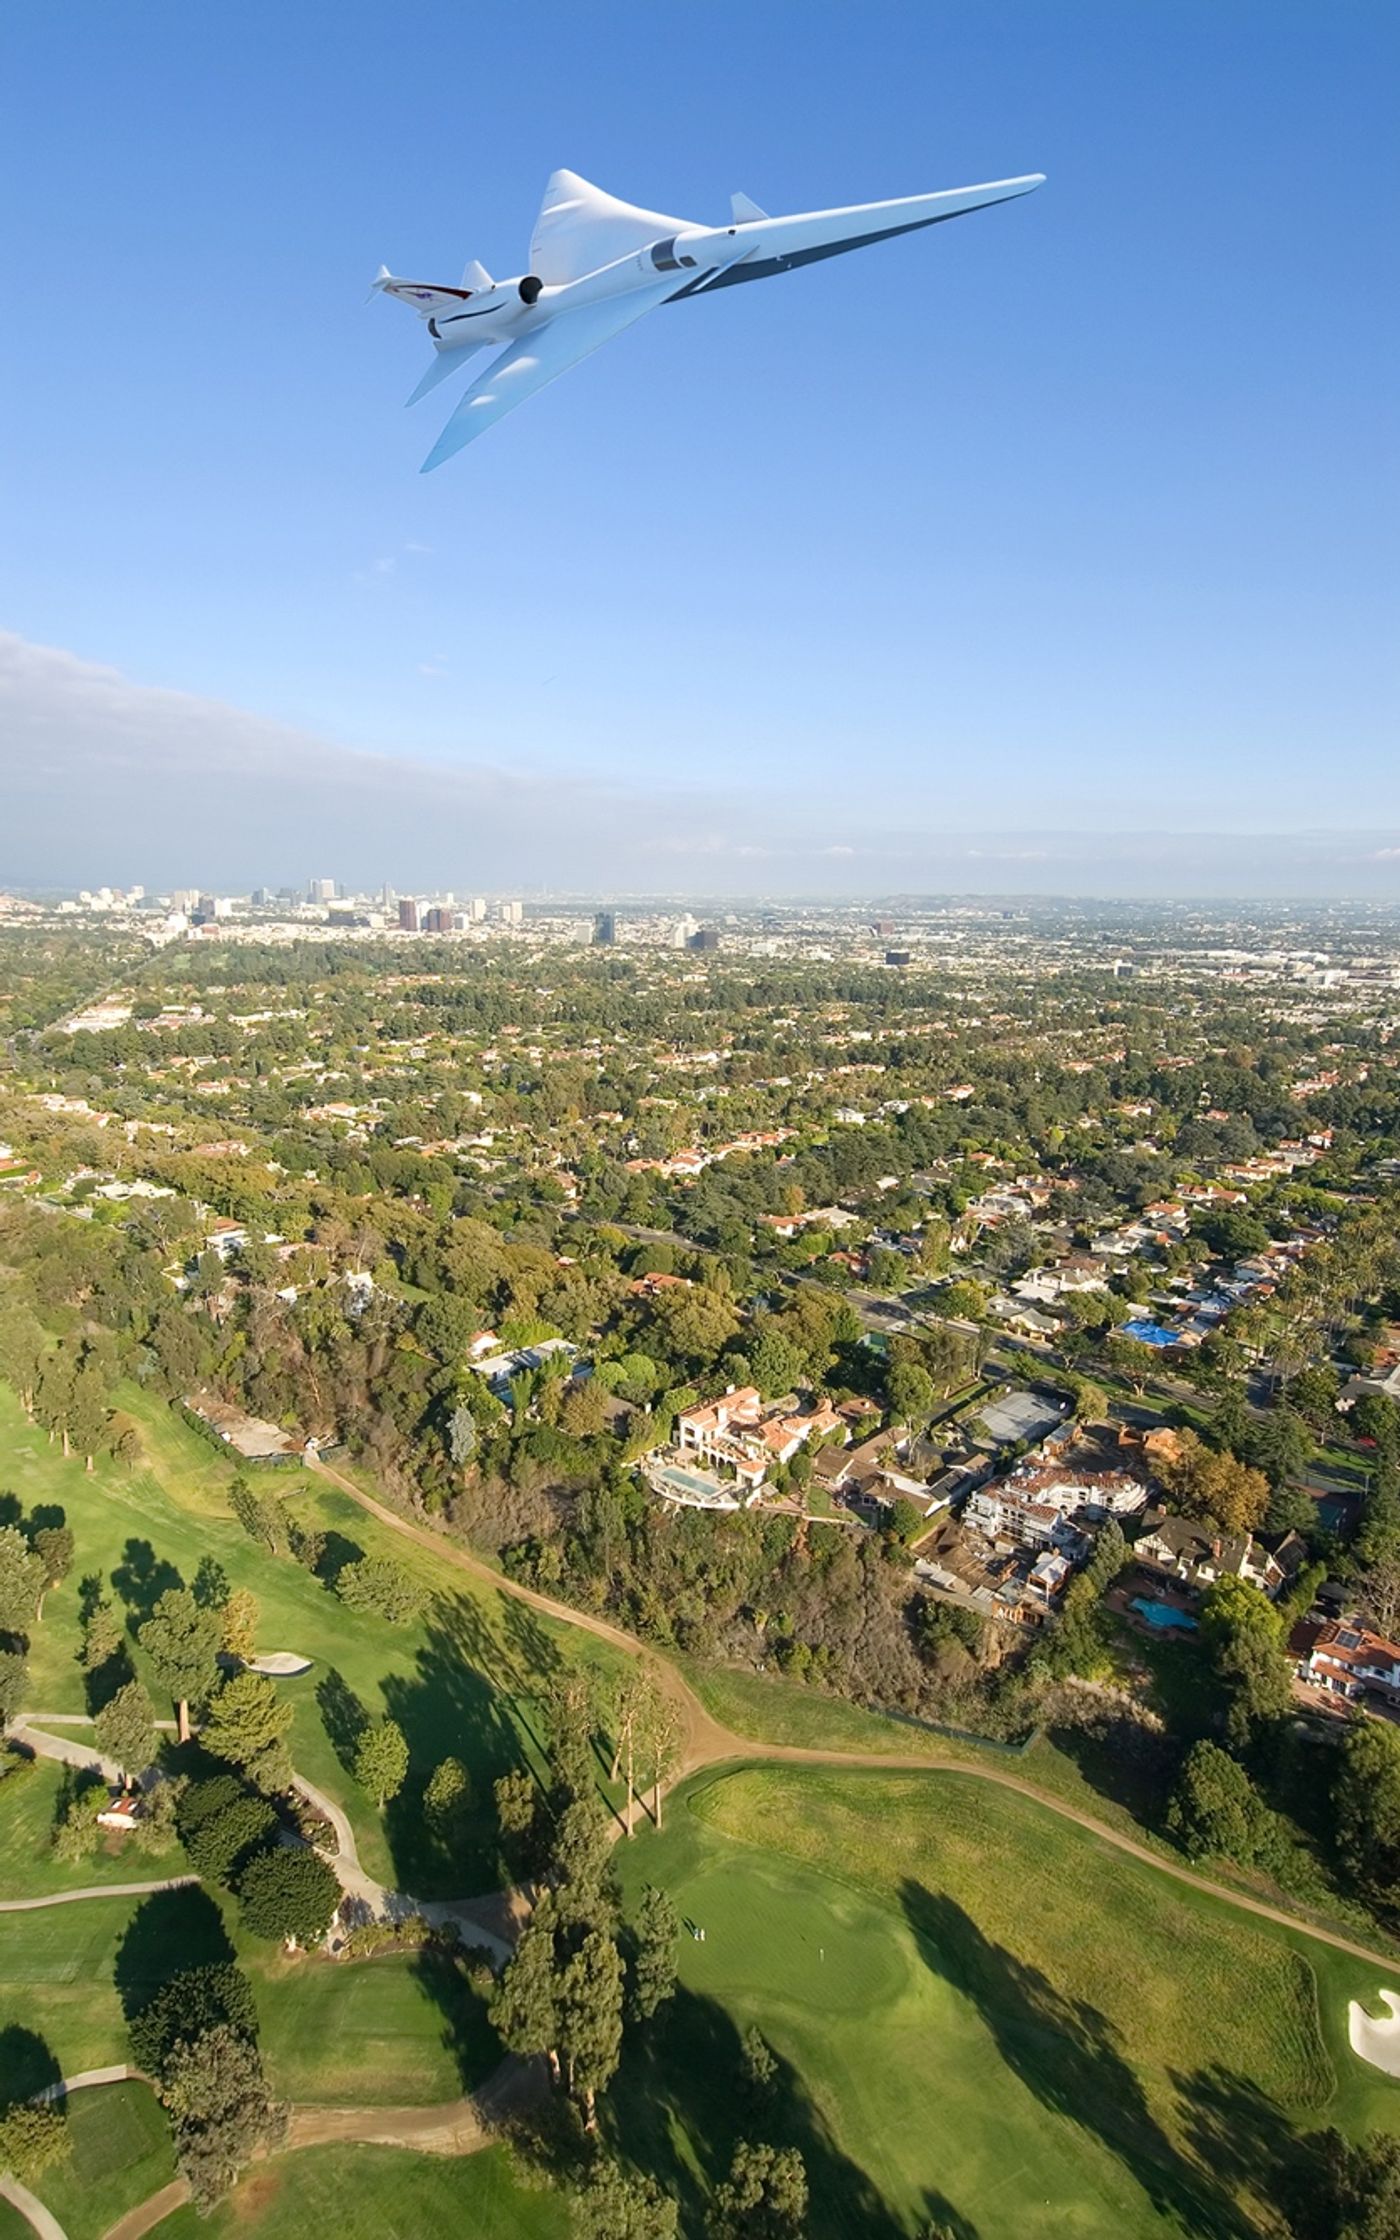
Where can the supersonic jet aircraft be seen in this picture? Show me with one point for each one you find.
(597, 265)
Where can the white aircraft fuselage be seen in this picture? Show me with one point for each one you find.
(598, 264)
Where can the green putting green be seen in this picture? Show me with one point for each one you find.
(980, 2012)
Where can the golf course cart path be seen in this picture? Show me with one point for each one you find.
(34, 2213)
(492, 1921)
(117, 2072)
(708, 1743)
(98, 1890)
(80, 1755)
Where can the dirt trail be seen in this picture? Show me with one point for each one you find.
(707, 1742)
(704, 1740)
(453, 2127)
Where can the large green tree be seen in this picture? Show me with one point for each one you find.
(125, 1729)
(1215, 1809)
(590, 2020)
(221, 2110)
(182, 1642)
(291, 1895)
(764, 2196)
(21, 1582)
(248, 1724)
(1366, 1807)
(656, 1929)
(382, 1587)
(381, 1760)
(1243, 1638)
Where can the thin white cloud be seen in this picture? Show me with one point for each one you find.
(106, 779)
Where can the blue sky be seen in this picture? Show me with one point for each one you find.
(1077, 517)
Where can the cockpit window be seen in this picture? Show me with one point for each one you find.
(664, 257)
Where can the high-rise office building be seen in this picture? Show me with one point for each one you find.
(604, 930)
(437, 920)
(706, 939)
(478, 909)
(408, 916)
(512, 913)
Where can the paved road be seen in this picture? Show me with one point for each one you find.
(709, 1743)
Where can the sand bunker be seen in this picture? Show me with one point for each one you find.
(1377, 2042)
(279, 1664)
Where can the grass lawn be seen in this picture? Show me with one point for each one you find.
(378, 2193)
(465, 1679)
(401, 2031)
(118, 2154)
(979, 2013)
(28, 1869)
(398, 2031)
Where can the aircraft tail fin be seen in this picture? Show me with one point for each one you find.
(476, 276)
(580, 228)
(744, 210)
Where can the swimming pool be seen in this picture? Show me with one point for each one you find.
(1164, 1617)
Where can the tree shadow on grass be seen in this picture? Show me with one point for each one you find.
(168, 1933)
(450, 1707)
(338, 1551)
(466, 2032)
(680, 2103)
(941, 2221)
(141, 1578)
(11, 1511)
(343, 1716)
(28, 2065)
(535, 1656)
(1064, 2051)
(1250, 2144)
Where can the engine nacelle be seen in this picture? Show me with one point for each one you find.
(530, 289)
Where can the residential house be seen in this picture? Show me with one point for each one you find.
(121, 1812)
(1345, 1658)
(751, 1436)
(1187, 1549)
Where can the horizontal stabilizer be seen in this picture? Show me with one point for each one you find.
(444, 365)
(426, 297)
(744, 210)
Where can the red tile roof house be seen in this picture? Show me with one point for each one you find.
(1346, 1659)
(122, 1811)
(749, 1434)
